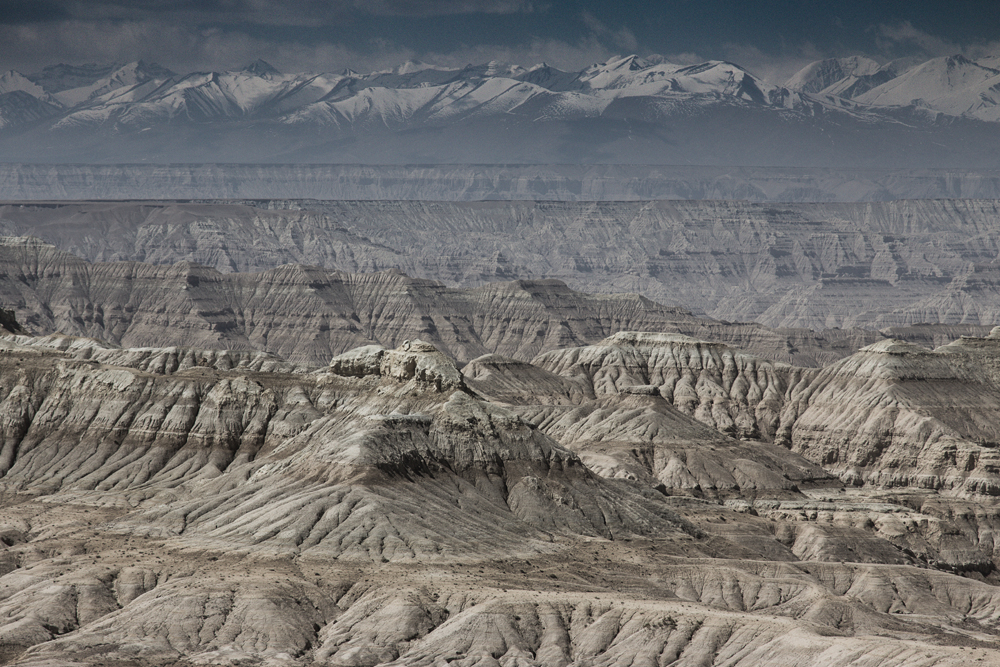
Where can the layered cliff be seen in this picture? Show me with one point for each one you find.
(817, 266)
(892, 414)
(304, 313)
(731, 391)
(308, 314)
(898, 414)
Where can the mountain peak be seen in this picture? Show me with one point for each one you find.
(140, 70)
(631, 62)
(412, 66)
(261, 68)
(492, 68)
(11, 81)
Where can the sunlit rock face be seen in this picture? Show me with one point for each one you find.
(893, 414)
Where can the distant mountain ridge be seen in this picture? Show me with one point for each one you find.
(952, 85)
(840, 112)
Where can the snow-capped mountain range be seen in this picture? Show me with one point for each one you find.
(850, 111)
(951, 85)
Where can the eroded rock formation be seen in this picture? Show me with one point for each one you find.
(190, 506)
(893, 414)
(307, 314)
(819, 266)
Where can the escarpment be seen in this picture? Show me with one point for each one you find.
(898, 414)
(306, 314)
(734, 392)
(304, 442)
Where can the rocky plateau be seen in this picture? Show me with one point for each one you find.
(462, 182)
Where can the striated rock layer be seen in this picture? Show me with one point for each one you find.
(897, 414)
(307, 314)
(893, 414)
(818, 266)
(562, 182)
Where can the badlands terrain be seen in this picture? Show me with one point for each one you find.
(308, 433)
(816, 266)
(648, 499)
(551, 413)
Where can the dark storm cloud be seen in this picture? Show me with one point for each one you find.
(771, 37)
(242, 12)
(442, 7)
(19, 11)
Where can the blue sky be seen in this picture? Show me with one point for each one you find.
(772, 38)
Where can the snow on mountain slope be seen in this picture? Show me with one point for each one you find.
(550, 78)
(23, 102)
(628, 108)
(382, 105)
(411, 74)
(492, 96)
(138, 94)
(261, 68)
(203, 96)
(954, 85)
(989, 61)
(721, 78)
(11, 81)
(124, 77)
(628, 73)
(20, 108)
(491, 70)
(477, 92)
(447, 103)
(826, 76)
